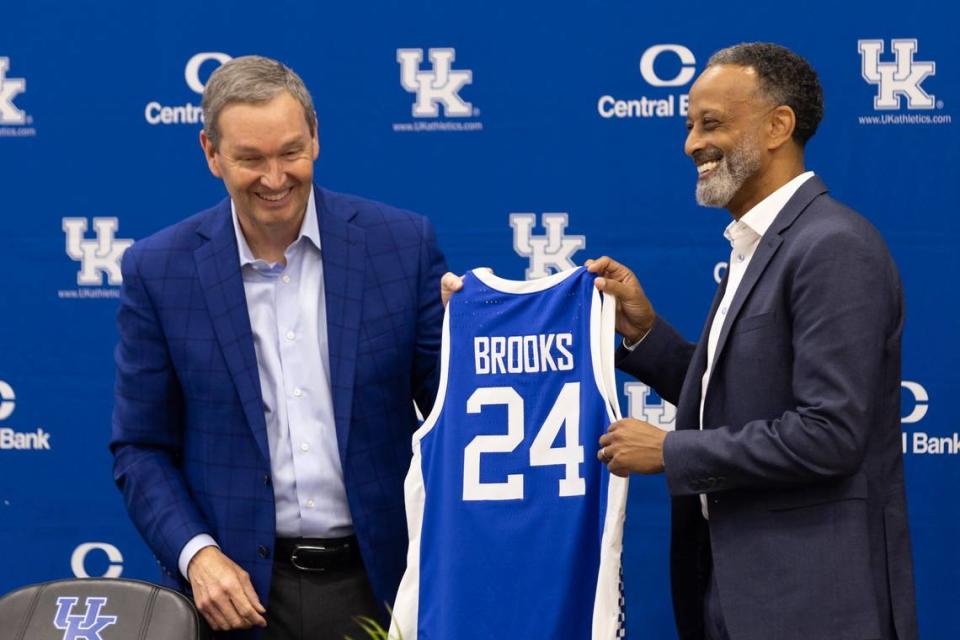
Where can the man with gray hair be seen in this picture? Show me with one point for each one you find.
(270, 351)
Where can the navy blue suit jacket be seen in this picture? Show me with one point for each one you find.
(800, 455)
(189, 434)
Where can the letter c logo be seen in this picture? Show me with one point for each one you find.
(686, 71)
(719, 271)
(7, 398)
(921, 406)
(192, 72)
(79, 558)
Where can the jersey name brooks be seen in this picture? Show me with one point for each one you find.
(515, 527)
(523, 354)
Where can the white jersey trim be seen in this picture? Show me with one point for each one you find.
(406, 608)
(521, 286)
(608, 607)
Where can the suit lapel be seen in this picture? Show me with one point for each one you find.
(343, 250)
(761, 258)
(766, 249)
(689, 404)
(218, 268)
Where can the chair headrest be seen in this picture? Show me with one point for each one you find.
(98, 609)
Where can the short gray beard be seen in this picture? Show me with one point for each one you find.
(734, 169)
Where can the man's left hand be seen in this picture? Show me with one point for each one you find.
(632, 446)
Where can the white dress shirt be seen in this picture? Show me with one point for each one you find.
(287, 311)
(744, 236)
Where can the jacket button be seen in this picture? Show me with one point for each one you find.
(263, 552)
(266, 478)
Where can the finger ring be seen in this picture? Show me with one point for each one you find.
(603, 452)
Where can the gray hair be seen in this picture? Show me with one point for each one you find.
(251, 80)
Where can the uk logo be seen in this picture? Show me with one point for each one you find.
(99, 256)
(82, 626)
(10, 88)
(550, 252)
(641, 406)
(901, 78)
(440, 85)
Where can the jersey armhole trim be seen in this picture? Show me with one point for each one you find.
(434, 415)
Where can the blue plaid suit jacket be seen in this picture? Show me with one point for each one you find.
(189, 436)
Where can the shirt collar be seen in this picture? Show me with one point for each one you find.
(756, 221)
(309, 229)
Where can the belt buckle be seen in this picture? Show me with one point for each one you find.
(307, 547)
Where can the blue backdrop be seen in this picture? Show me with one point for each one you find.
(536, 108)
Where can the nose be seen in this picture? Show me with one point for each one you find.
(693, 143)
(273, 176)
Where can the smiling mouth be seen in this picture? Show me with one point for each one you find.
(707, 168)
(275, 197)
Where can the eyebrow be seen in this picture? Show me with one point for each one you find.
(297, 143)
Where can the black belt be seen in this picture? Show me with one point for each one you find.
(317, 554)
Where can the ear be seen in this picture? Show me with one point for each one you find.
(780, 125)
(315, 143)
(210, 152)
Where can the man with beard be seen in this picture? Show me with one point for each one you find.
(785, 471)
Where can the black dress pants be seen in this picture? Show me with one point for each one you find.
(319, 605)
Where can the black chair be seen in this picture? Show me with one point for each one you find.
(104, 608)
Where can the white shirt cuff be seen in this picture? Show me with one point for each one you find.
(190, 549)
(630, 347)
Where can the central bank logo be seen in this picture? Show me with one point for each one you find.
(662, 65)
(548, 253)
(437, 90)
(901, 78)
(82, 626)
(919, 441)
(201, 64)
(13, 120)
(11, 439)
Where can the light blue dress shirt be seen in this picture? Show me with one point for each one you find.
(288, 316)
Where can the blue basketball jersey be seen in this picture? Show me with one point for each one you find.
(515, 526)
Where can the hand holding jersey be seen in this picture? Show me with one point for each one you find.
(629, 445)
(635, 314)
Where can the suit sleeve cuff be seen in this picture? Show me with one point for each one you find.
(190, 549)
(679, 461)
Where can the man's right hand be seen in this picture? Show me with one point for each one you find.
(635, 314)
(223, 592)
(450, 283)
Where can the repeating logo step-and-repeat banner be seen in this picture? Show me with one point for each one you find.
(533, 135)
